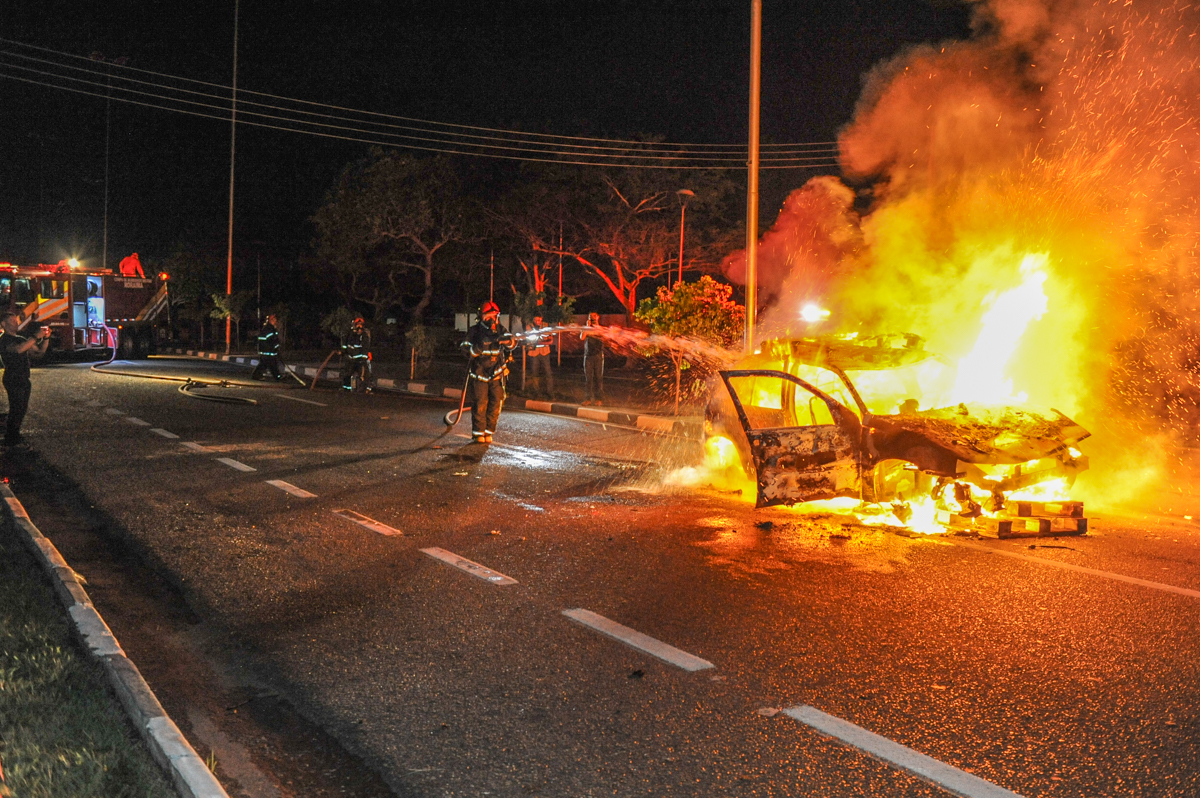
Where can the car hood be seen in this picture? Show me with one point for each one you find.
(986, 434)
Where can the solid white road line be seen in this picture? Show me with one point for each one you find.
(229, 461)
(369, 523)
(948, 778)
(195, 447)
(1133, 580)
(137, 421)
(164, 433)
(634, 639)
(288, 487)
(298, 399)
(473, 568)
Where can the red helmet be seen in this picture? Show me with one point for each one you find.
(359, 321)
(489, 307)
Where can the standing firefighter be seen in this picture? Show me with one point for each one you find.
(490, 347)
(356, 358)
(538, 351)
(268, 349)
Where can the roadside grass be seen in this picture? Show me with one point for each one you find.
(62, 733)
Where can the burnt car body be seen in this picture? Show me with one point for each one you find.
(805, 443)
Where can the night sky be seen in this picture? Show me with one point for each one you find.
(608, 68)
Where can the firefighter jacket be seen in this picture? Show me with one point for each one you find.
(489, 349)
(357, 346)
(538, 344)
(268, 340)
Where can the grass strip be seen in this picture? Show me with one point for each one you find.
(62, 732)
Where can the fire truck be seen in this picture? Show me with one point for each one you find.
(87, 310)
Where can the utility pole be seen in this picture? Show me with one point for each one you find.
(232, 154)
(558, 337)
(752, 184)
(684, 195)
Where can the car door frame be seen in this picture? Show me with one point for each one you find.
(802, 463)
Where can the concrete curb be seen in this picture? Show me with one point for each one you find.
(683, 427)
(168, 746)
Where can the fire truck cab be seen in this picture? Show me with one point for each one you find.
(86, 309)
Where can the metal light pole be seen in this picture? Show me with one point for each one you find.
(752, 185)
(121, 61)
(232, 153)
(684, 195)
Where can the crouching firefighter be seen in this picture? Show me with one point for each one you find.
(356, 358)
(490, 348)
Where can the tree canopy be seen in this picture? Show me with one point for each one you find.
(385, 227)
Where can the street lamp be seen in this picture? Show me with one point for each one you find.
(684, 195)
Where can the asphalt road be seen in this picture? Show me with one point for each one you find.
(1036, 679)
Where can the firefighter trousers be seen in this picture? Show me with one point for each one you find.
(267, 362)
(487, 400)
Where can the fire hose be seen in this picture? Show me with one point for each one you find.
(189, 384)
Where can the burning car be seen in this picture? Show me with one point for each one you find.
(805, 429)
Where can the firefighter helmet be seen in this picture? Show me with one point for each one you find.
(489, 307)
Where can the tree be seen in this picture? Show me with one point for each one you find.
(231, 306)
(623, 227)
(703, 311)
(385, 226)
(193, 280)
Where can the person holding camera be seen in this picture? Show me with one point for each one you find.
(15, 351)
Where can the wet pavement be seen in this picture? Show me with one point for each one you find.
(1038, 679)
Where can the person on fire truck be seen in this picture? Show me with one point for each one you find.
(538, 351)
(15, 351)
(268, 350)
(490, 347)
(356, 358)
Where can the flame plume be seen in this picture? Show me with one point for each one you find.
(1063, 133)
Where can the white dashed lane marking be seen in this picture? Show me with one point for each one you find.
(1066, 566)
(948, 778)
(634, 639)
(288, 487)
(137, 421)
(195, 447)
(298, 399)
(471, 567)
(164, 433)
(369, 523)
(112, 411)
(229, 461)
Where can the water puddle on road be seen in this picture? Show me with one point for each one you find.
(746, 547)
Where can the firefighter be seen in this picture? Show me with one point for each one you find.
(356, 358)
(268, 349)
(593, 362)
(490, 347)
(16, 349)
(538, 350)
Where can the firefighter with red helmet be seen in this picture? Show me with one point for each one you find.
(356, 358)
(490, 347)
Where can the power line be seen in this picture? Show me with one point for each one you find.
(219, 112)
(636, 149)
